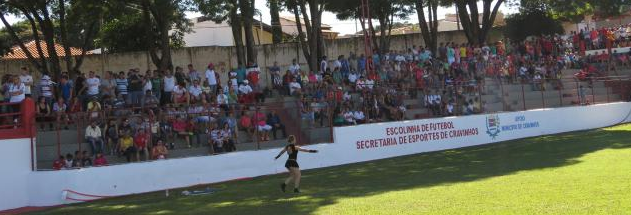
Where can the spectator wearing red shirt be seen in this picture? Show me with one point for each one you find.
(180, 129)
(246, 124)
(593, 35)
(100, 160)
(141, 141)
(261, 125)
(253, 73)
(59, 163)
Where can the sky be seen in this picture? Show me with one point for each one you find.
(341, 26)
(350, 26)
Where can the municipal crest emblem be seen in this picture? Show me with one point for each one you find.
(493, 126)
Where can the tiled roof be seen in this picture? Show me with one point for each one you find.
(17, 52)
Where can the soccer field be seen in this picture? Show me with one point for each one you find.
(585, 172)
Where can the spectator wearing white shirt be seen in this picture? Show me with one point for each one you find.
(349, 117)
(359, 117)
(27, 80)
(169, 85)
(294, 87)
(294, 68)
(245, 88)
(361, 83)
(46, 88)
(370, 84)
(337, 64)
(180, 94)
(92, 83)
(195, 91)
(93, 136)
(222, 99)
(211, 78)
(323, 65)
(17, 91)
(346, 96)
(450, 108)
(352, 77)
(232, 79)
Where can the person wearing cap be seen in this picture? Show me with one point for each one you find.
(211, 78)
(94, 138)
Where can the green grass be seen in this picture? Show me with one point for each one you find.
(585, 172)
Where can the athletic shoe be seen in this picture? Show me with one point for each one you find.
(282, 187)
(296, 190)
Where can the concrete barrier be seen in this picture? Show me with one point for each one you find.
(352, 144)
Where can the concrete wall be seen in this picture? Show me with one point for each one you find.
(21, 187)
(267, 54)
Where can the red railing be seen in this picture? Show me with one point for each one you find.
(18, 122)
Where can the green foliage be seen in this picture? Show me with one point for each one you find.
(22, 28)
(124, 28)
(576, 10)
(346, 10)
(533, 22)
(122, 34)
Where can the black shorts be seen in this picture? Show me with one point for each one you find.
(291, 163)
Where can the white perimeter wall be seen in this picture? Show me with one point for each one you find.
(15, 170)
(26, 188)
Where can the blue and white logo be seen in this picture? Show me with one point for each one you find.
(493, 125)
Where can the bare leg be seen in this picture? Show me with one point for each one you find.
(296, 177)
(290, 178)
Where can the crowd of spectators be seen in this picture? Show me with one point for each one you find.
(140, 115)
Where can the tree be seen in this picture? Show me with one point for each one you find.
(476, 28)
(277, 30)
(226, 11)
(384, 11)
(22, 29)
(121, 34)
(429, 26)
(247, 12)
(576, 10)
(159, 17)
(531, 22)
(311, 41)
(48, 18)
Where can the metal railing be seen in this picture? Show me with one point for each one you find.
(311, 127)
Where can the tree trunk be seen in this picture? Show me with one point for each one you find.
(165, 47)
(237, 30)
(48, 31)
(277, 30)
(86, 42)
(64, 37)
(475, 33)
(311, 38)
(247, 10)
(301, 36)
